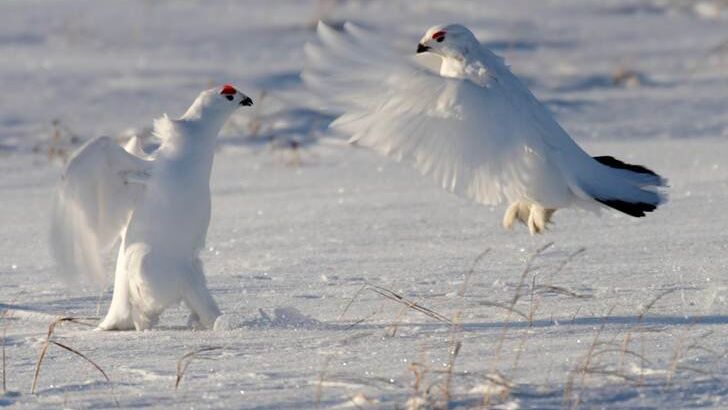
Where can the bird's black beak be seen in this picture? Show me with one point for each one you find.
(421, 48)
(247, 101)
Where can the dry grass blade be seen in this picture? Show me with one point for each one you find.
(511, 309)
(353, 298)
(468, 275)
(391, 295)
(320, 384)
(84, 357)
(622, 353)
(94, 364)
(628, 337)
(695, 370)
(527, 270)
(391, 330)
(677, 354)
(185, 361)
(5, 387)
(607, 372)
(360, 321)
(568, 260)
(657, 298)
(47, 343)
(454, 351)
(561, 290)
(584, 368)
(505, 307)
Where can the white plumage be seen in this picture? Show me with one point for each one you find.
(158, 205)
(469, 123)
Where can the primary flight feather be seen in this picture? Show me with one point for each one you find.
(157, 205)
(469, 123)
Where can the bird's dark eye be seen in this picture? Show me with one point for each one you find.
(439, 39)
(229, 97)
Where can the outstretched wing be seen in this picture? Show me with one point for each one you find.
(95, 197)
(465, 134)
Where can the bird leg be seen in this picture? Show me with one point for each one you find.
(533, 215)
(518, 210)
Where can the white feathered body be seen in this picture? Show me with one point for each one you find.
(470, 124)
(159, 207)
(160, 247)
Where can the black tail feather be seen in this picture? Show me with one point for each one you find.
(636, 209)
(615, 163)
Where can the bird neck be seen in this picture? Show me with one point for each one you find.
(453, 66)
(470, 65)
(191, 141)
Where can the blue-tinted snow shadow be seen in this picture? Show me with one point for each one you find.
(292, 128)
(558, 105)
(499, 45)
(77, 387)
(708, 320)
(8, 398)
(632, 9)
(602, 81)
(611, 320)
(53, 307)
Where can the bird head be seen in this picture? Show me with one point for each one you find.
(452, 40)
(217, 102)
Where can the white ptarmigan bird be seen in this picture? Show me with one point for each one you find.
(158, 205)
(469, 123)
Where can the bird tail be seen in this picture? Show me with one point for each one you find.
(631, 189)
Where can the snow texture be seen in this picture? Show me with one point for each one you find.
(309, 235)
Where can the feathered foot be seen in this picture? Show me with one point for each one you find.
(533, 215)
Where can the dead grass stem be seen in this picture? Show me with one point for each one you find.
(49, 341)
(184, 362)
(5, 328)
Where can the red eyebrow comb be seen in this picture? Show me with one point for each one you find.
(438, 35)
(228, 89)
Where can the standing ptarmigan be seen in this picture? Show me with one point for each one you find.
(158, 205)
(467, 121)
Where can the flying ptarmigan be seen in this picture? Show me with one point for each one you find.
(158, 205)
(469, 123)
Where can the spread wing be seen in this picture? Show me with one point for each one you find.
(95, 197)
(466, 134)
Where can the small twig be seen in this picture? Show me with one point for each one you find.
(185, 361)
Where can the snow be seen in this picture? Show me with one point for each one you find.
(296, 234)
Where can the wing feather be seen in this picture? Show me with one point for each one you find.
(464, 135)
(93, 203)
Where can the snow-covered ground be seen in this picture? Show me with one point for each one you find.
(637, 319)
